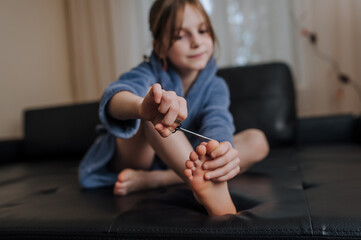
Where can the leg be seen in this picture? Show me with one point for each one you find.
(132, 158)
(252, 147)
(135, 153)
(138, 153)
(130, 180)
(214, 196)
(173, 150)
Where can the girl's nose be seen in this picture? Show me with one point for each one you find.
(196, 41)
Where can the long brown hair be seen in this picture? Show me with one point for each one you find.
(165, 19)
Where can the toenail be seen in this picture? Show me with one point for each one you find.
(205, 166)
(208, 175)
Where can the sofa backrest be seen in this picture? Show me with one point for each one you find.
(262, 97)
(60, 131)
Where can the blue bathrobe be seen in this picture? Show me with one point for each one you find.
(207, 102)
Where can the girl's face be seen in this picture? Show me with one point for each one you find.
(193, 46)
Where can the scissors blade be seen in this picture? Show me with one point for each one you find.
(195, 134)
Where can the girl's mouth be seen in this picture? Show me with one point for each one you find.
(196, 56)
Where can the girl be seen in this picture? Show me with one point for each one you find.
(139, 111)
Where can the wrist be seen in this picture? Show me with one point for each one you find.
(138, 107)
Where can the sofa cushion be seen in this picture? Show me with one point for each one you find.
(60, 131)
(309, 192)
(262, 97)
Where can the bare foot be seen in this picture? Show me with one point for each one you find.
(214, 196)
(130, 180)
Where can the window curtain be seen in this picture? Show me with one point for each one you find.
(109, 37)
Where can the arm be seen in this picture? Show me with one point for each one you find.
(160, 107)
(124, 105)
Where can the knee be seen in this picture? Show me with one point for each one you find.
(258, 144)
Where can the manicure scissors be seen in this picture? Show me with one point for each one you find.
(179, 128)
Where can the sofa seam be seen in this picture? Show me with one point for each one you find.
(304, 194)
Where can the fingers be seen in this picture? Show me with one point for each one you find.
(183, 110)
(215, 151)
(157, 92)
(166, 101)
(226, 172)
(172, 107)
(163, 130)
(224, 163)
(221, 161)
(228, 176)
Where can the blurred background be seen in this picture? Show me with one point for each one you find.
(55, 52)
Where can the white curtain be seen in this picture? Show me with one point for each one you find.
(107, 38)
(111, 36)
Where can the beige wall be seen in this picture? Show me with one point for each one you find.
(34, 60)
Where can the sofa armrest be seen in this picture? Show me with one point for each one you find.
(327, 130)
(10, 150)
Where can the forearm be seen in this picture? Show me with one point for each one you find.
(124, 105)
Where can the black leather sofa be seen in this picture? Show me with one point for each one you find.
(309, 187)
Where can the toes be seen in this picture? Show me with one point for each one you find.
(121, 185)
(198, 163)
(190, 165)
(193, 156)
(121, 192)
(201, 150)
(212, 145)
(123, 175)
(120, 188)
(188, 173)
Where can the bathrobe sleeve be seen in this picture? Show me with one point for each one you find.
(216, 120)
(137, 81)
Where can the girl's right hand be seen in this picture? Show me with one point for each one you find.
(163, 108)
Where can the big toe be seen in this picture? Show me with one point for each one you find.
(201, 150)
(120, 188)
(124, 175)
(212, 145)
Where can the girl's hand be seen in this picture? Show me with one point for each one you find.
(163, 108)
(225, 163)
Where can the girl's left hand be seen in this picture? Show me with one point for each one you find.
(225, 163)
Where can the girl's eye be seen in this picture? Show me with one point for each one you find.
(179, 37)
(202, 31)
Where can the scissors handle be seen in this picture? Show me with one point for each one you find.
(190, 132)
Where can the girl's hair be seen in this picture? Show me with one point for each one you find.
(165, 22)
